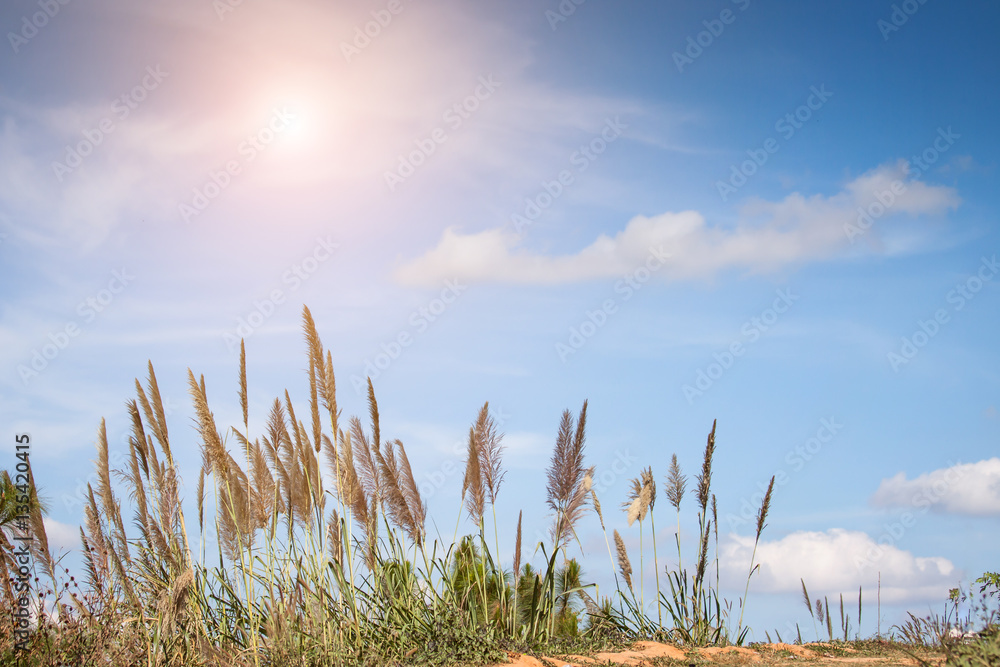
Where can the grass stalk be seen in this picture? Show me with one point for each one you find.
(312, 573)
(765, 506)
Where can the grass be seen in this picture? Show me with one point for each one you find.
(323, 556)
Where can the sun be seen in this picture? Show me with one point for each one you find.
(296, 125)
(303, 122)
(303, 125)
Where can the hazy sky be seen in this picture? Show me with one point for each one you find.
(778, 215)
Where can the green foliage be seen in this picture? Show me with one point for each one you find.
(983, 651)
(989, 580)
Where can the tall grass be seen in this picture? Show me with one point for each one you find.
(312, 548)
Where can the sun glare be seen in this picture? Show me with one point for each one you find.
(296, 126)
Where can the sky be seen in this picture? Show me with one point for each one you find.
(780, 216)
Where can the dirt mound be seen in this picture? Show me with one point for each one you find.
(645, 653)
(715, 652)
(521, 660)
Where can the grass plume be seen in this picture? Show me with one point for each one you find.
(566, 492)
(326, 558)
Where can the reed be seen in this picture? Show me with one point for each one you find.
(805, 598)
(675, 487)
(322, 555)
(765, 507)
(624, 565)
(567, 490)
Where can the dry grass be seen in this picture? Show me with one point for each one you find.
(624, 565)
(323, 555)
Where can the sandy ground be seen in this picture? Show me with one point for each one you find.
(653, 654)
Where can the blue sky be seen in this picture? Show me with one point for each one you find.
(781, 216)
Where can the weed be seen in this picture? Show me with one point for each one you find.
(322, 556)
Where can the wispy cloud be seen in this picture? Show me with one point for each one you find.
(159, 149)
(964, 488)
(61, 536)
(768, 236)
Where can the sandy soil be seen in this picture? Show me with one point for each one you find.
(653, 654)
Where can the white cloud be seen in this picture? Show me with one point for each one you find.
(527, 450)
(768, 236)
(964, 488)
(61, 536)
(837, 561)
(488, 257)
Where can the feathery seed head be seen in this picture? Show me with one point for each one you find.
(597, 508)
(243, 381)
(705, 478)
(764, 507)
(473, 482)
(623, 562)
(676, 484)
(638, 502)
(649, 486)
